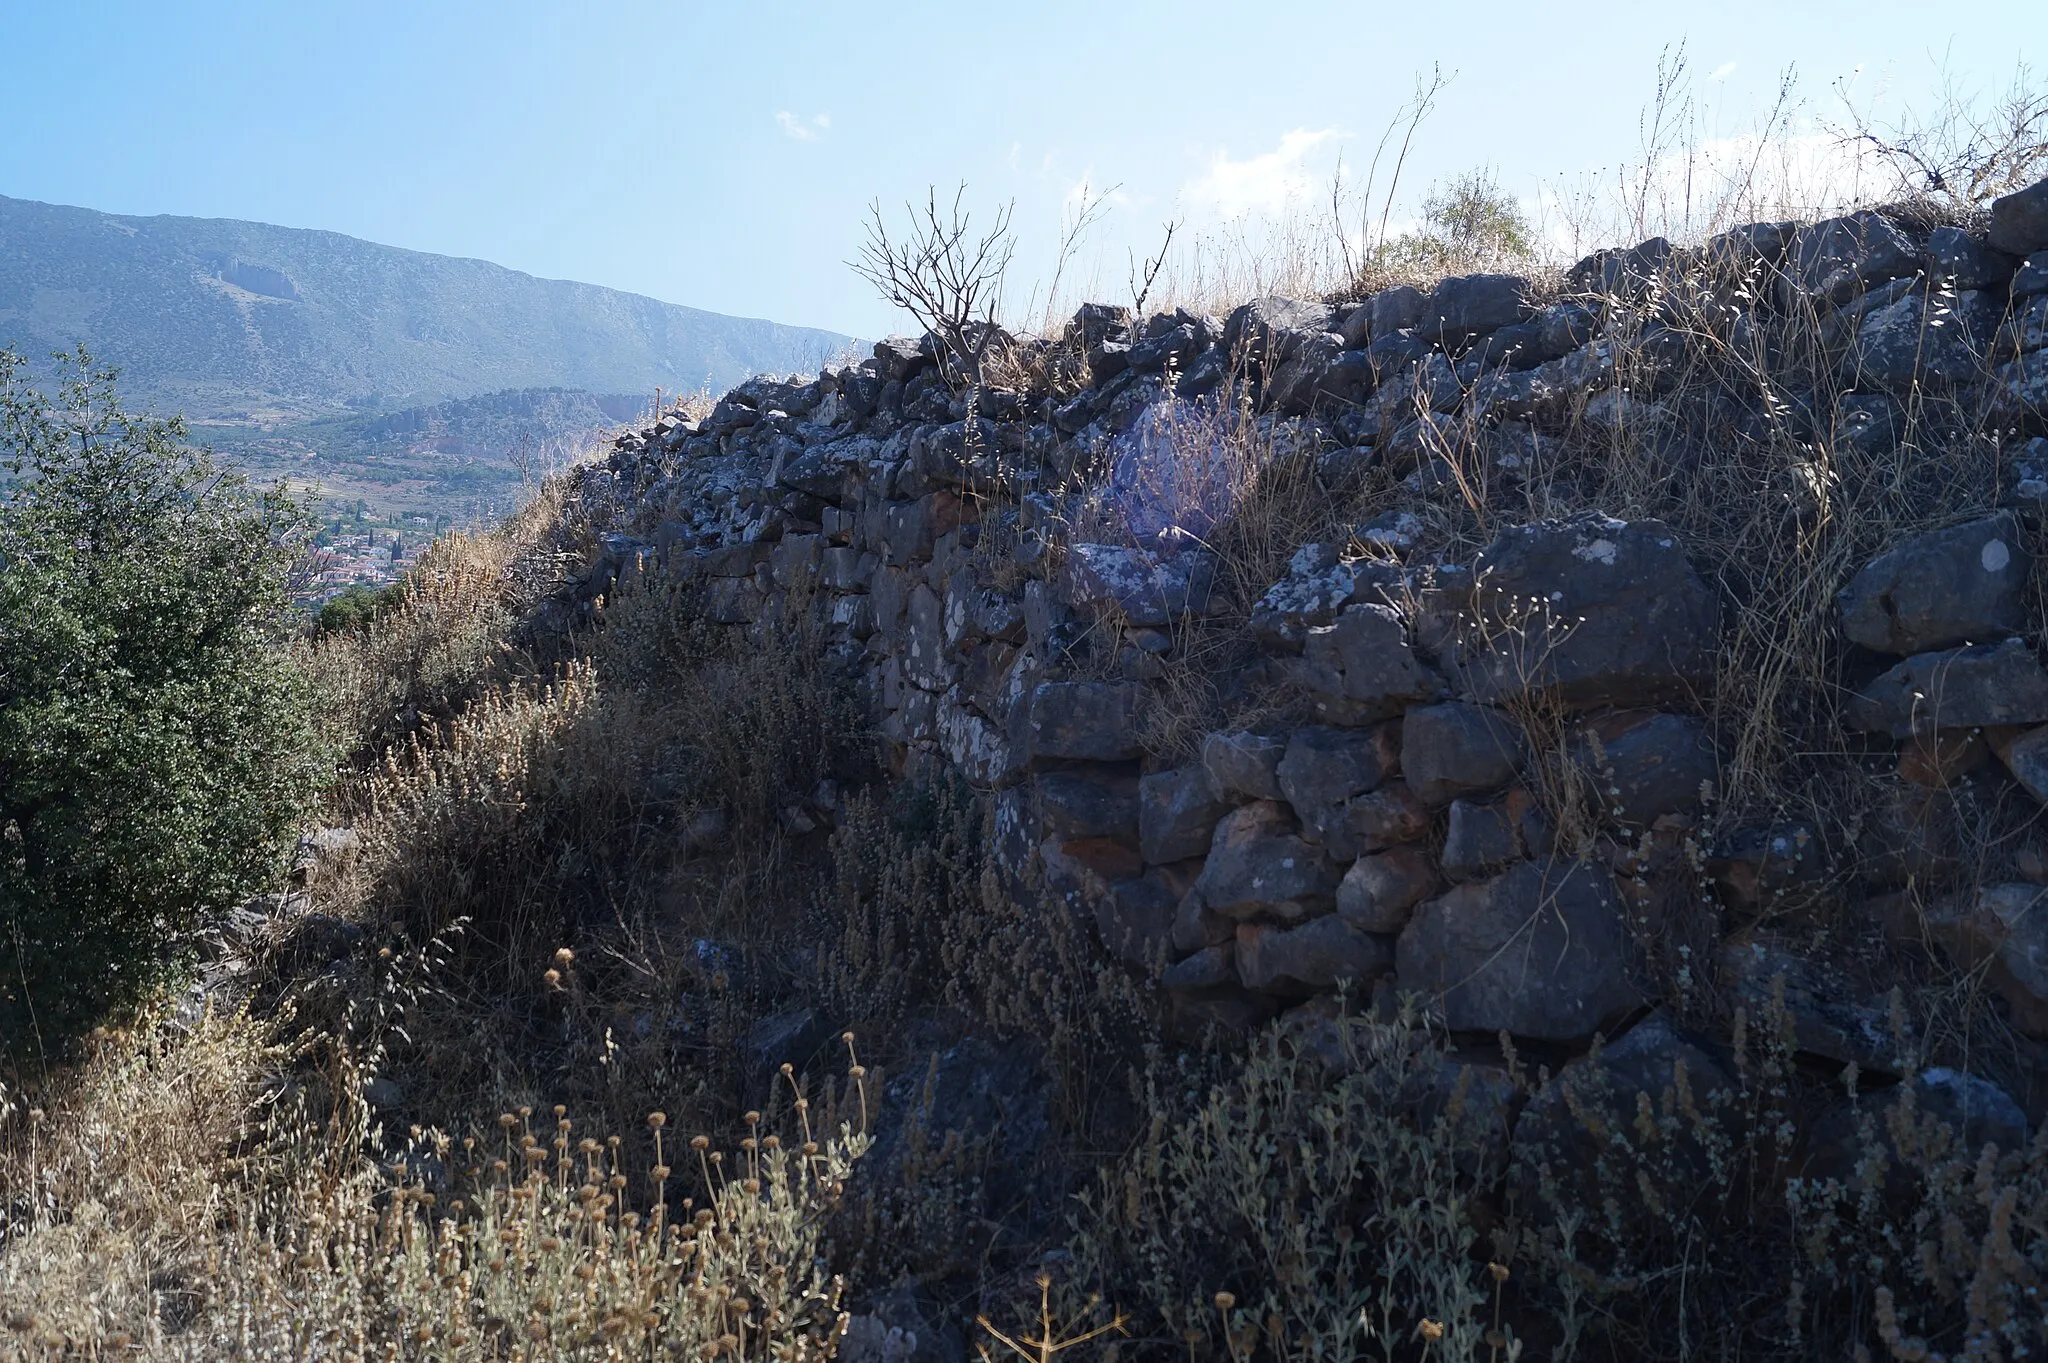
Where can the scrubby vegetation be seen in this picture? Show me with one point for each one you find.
(154, 753)
(540, 1049)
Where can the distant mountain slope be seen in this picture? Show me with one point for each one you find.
(245, 323)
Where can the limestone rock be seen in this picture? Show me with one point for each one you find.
(1541, 951)
(1962, 585)
(1457, 749)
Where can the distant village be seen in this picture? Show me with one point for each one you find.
(348, 554)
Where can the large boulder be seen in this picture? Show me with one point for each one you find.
(1965, 584)
(1590, 611)
(1457, 749)
(1361, 668)
(1963, 688)
(1260, 866)
(2019, 221)
(1541, 951)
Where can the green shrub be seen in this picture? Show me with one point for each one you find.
(155, 748)
(353, 608)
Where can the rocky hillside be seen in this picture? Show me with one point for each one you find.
(1630, 655)
(243, 322)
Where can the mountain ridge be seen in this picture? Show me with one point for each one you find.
(238, 322)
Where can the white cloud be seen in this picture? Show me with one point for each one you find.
(1722, 72)
(1269, 183)
(799, 129)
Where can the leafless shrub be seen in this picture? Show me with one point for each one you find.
(944, 274)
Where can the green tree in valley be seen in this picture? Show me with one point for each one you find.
(156, 745)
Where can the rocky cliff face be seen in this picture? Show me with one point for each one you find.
(1668, 641)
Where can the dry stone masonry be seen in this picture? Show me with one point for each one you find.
(1011, 571)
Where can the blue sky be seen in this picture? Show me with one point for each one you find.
(722, 156)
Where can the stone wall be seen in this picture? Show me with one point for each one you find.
(1015, 573)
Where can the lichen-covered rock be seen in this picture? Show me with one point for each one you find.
(1457, 749)
(1590, 611)
(1541, 951)
(1318, 585)
(1961, 688)
(1965, 584)
(1380, 891)
(1147, 589)
(1177, 814)
(1316, 955)
(1259, 865)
